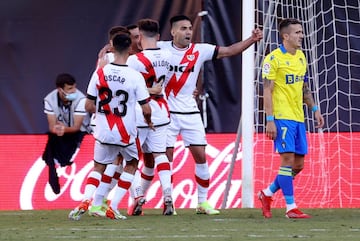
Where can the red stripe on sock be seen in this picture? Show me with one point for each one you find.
(106, 178)
(146, 177)
(124, 184)
(202, 182)
(93, 181)
(165, 166)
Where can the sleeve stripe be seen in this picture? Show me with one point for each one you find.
(142, 102)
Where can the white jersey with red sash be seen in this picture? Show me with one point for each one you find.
(154, 65)
(184, 71)
(116, 89)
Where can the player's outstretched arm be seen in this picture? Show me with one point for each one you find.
(238, 47)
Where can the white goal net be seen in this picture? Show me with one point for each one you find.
(331, 177)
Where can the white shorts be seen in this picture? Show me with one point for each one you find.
(153, 141)
(189, 126)
(107, 154)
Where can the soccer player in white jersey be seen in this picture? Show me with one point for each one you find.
(102, 171)
(135, 38)
(113, 92)
(106, 56)
(94, 177)
(153, 63)
(185, 116)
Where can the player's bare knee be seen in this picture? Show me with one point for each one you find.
(149, 160)
(131, 166)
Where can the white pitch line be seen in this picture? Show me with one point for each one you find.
(144, 237)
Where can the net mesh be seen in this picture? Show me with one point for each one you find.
(331, 44)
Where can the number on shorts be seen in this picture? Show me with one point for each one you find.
(284, 130)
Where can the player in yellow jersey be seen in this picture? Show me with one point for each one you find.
(285, 90)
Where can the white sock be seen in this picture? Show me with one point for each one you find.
(92, 182)
(268, 192)
(145, 183)
(203, 174)
(290, 206)
(163, 167)
(104, 186)
(136, 189)
(121, 189)
(115, 180)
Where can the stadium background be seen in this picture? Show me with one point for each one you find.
(40, 39)
(43, 38)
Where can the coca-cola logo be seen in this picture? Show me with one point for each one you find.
(25, 185)
(73, 178)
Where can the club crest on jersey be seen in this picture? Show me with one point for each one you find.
(190, 57)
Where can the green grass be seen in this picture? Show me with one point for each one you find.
(231, 224)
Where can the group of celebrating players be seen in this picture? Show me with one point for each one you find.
(141, 92)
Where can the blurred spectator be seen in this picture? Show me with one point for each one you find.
(68, 123)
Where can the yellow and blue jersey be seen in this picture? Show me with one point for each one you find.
(289, 74)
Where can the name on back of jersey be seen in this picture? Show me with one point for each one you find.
(160, 63)
(115, 78)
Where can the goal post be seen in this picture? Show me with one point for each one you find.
(332, 47)
(245, 129)
(247, 109)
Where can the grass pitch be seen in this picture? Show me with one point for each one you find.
(231, 224)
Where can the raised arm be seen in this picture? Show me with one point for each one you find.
(238, 47)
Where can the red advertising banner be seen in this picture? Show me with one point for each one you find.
(330, 178)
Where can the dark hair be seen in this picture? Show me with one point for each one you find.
(63, 79)
(131, 26)
(121, 42)
(286, 22)
(117, 29)
(149, 27)
(178, 18)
